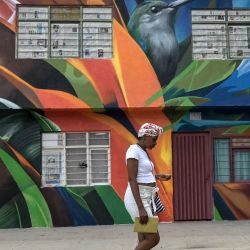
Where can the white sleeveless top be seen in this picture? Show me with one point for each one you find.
(145, 165)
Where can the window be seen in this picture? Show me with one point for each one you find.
(64, 32)
(220, 34)
(76, 159)
(242, 165)
(232, 159)
(222, 160)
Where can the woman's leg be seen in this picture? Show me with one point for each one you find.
(145, 241)
(140, 237)
(150, 240)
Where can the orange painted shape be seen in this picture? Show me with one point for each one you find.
(43, 98)
(28, 167)
(59, 100)
(104, 76)
(7, 14)
(134, 71)
(7, 24)
(7, 11)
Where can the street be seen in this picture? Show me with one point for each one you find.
(228, 235)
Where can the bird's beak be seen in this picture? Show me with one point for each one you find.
(178, 3)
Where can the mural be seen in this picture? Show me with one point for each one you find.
(152, 26)
(150, 78)
(231, 201)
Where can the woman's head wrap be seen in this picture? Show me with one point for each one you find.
(150, 129)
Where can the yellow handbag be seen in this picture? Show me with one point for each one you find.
(150, 227)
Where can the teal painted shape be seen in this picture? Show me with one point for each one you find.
(9, 215)
(114, 204)
(78, 193)
(46, 124)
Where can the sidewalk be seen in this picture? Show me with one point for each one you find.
(179, 235)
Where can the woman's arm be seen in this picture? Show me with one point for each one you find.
(132, 166)
(163, 177)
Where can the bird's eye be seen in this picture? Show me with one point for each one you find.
(155, 9)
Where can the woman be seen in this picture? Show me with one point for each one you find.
(142, 182)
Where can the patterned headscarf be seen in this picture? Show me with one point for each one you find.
(150, 129)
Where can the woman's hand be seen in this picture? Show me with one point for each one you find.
(163, 177)
(143, 216)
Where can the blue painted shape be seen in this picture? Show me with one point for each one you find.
(78, 214)
(224, 4)
(234, 91)
(131, 5)
(185, 124)
(183, 18)
(241, 3)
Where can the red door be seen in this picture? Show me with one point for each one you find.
(192, 173)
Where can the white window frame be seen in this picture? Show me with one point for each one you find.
(219, 23)
(90, 169)
(62, 147)
(95, 22)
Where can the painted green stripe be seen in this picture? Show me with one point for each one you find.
(83, 88)
(39, 212)
(114, 204)
(45, 123)
(217, 215)
(237, 129)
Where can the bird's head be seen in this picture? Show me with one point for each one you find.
(155, 14)
(152, 26)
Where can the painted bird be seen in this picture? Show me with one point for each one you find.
(152, 26)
